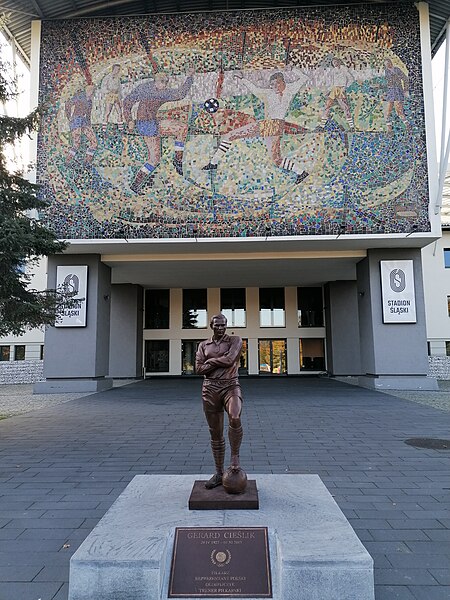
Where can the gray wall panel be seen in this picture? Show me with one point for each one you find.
(343, 328)
(126, 331)
(397, 349)
(74, 352)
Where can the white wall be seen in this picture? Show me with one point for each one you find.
(436, 279)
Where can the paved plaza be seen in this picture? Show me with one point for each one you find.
(61, 468)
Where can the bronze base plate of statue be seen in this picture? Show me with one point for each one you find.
(218, 499)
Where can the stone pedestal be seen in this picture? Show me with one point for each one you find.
(314, 552)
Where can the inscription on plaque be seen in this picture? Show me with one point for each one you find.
(219, 562)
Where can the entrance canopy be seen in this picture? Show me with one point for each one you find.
(226, 270)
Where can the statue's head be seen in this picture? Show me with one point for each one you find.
(218, 324)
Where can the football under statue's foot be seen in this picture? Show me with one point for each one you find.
(215, 481)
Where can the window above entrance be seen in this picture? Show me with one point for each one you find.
(157, 304)
(233, 306)
(272, 311)
(195, 313)
(310, 306)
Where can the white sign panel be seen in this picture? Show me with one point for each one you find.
(74, 279)
(397, 288)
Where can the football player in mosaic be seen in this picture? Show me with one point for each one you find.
(78, 111)
(276, 98)
(149, 97)
(111, 88)
(397, 86)
(339, 78)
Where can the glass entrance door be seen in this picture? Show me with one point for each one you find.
(272, 357)
(243, 361)
(188, 352)
(156, 356)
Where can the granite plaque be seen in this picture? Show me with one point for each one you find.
(218, 562)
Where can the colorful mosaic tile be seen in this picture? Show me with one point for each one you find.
(253, 123)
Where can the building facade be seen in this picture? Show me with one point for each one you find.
(436, 276)
(273, 165)
(21, 356)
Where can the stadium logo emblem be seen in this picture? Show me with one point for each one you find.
(397, 280)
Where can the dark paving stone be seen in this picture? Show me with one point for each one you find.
(10, 534)
(419, 561)
(420, 523)
(26, 557)
(45, 523)
(386, 547)
(45, 534)
(60, 574)
(381, 524)
(386, 535)
(61, 469)
(18, 573)
(28, 591)
(441, 548)
(404, 577)
(438, 534)
(386, 592)
(426, 592)
(34, 545)
(441, 575)
(63, 592)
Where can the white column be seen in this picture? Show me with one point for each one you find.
(175, 357)
(213, 302)
(253, 366)
(176, 309)
(293, 356)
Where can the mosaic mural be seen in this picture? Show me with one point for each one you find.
(254, 123)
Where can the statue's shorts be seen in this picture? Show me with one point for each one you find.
(216, 393)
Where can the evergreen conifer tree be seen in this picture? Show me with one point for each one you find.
(23, 240)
